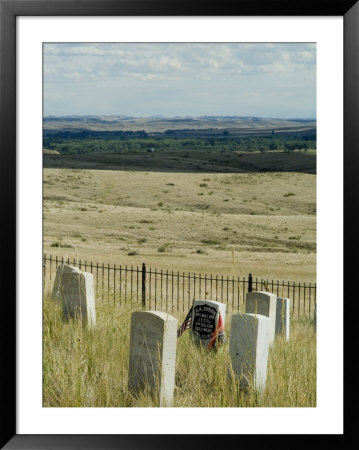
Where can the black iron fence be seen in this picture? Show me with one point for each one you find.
(169, 290)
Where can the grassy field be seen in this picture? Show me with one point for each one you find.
(258, 214)
(83, 368)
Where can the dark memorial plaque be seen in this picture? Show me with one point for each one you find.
(208, 319)
(204, 321)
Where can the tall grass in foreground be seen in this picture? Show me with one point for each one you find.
(89, 368)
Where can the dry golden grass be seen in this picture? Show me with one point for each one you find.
(185, 221)
(83, 368)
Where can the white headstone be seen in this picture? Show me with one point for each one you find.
(58, 288)
(282, 323)
(207, 318)
(78, 297)
(152, 362)
(264, 303)
(248, 348)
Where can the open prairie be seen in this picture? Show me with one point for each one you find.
(197, 213)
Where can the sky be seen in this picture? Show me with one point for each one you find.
(273, 80)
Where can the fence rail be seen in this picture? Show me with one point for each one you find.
(173, 290)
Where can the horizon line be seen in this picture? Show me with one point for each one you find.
(160, 116)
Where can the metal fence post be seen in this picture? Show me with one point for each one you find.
(250, 283)
(143, 284)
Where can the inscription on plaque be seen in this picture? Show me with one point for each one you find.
(208, 320)
(204, 322)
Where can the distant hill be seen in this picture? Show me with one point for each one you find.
(157, 124)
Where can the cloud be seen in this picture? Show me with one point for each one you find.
(177, 70)
(201, 60)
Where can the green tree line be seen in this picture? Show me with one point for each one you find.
(80, 145)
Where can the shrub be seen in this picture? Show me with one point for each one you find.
(210, 242)
(60, 244)
(164, 248)
(201, 252)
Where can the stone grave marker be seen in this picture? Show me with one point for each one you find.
(208, 320)
(265, 304)
(57, 289)
(282, 324)
(248, 348)
(78, 297)
(152, 362)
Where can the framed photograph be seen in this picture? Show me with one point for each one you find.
(66, 66)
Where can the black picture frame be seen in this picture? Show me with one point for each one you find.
(9, 10)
